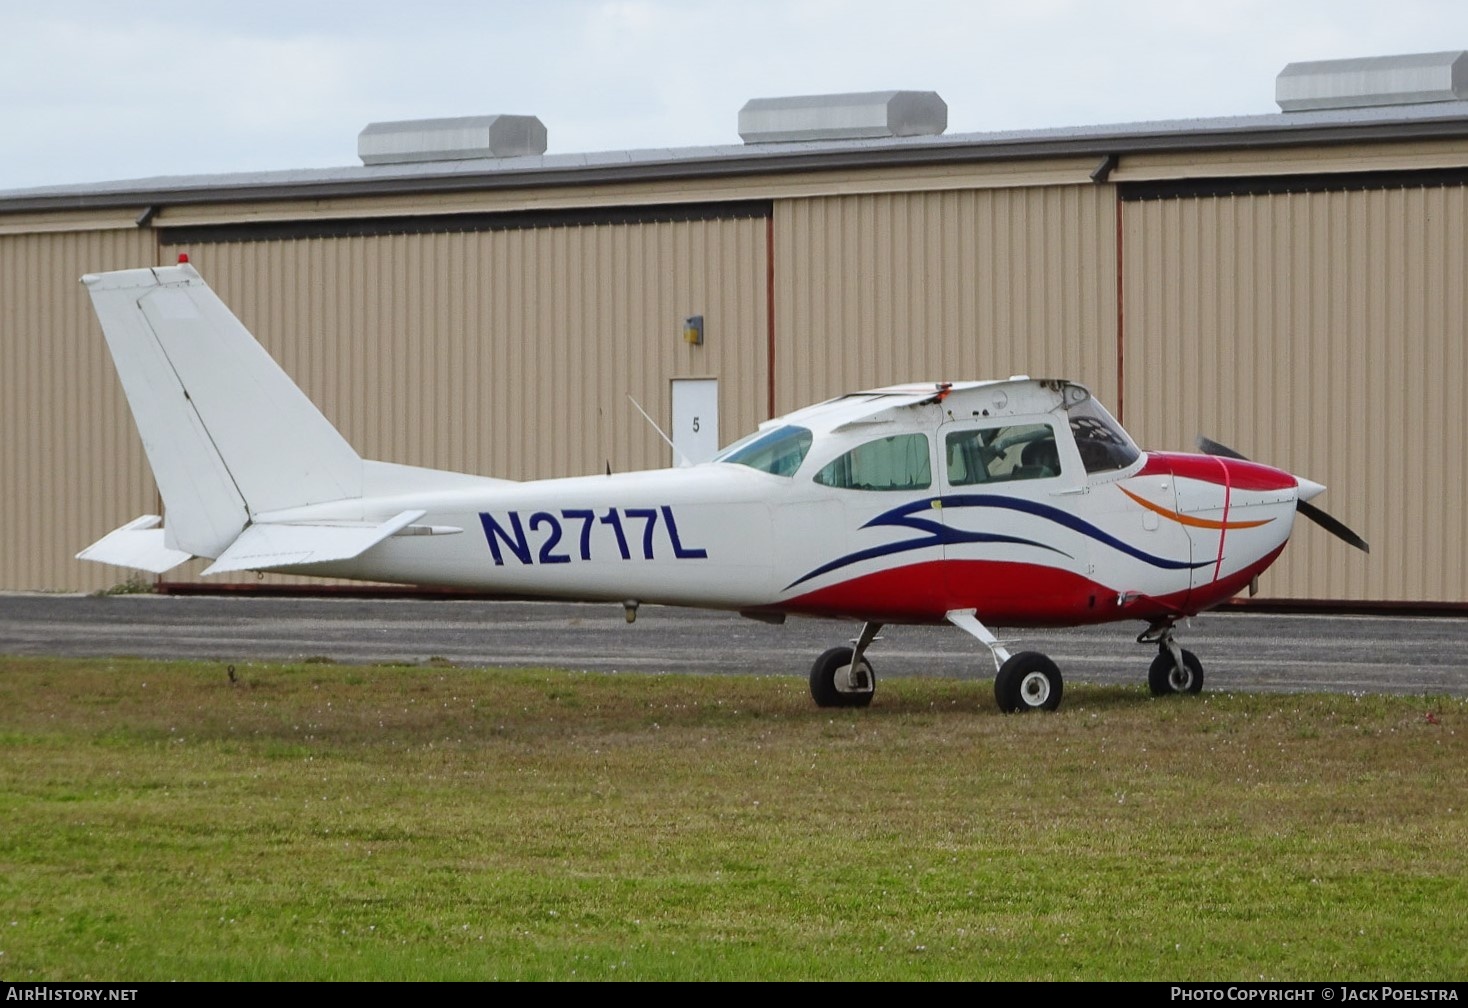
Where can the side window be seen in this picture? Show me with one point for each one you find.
(1002, 454)
(899, 462)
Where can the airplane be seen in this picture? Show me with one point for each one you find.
(980, 504)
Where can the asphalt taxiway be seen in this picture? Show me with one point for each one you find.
(1240, 649)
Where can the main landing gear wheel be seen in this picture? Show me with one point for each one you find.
(1166, 678)
(833, 682)
(1028, 681)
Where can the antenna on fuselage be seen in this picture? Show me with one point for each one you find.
(686, 460)
(601, 423)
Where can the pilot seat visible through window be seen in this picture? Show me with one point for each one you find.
(1039, 460)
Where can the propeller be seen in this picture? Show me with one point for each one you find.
(1315, 514)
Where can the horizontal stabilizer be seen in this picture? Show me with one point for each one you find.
(138, 544)
(273, 545)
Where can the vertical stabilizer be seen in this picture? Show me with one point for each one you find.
(227, 433)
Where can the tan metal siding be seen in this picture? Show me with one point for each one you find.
(71, 463)
(798, 184)
(1304, 159)
(1321, 332)
(508, 353)
(878, 289)
(72, 221)
(498, 352)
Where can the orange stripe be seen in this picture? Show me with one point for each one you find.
(1183, 519)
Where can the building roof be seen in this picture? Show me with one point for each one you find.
(1327, 126)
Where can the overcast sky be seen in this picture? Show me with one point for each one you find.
(101, 91)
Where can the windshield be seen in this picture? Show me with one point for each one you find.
(779, 451)
(1103, 445)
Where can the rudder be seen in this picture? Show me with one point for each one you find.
(228, 434)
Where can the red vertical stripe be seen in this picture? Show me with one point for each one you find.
(1223, 524)
(770, 313)
(1120, 319)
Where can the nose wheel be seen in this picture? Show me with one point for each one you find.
(1175, 669)
(1181, 673)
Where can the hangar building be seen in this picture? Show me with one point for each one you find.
(1291, 284)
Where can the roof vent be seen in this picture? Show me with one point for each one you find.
(843, 116)
(1373, 80)
(450, 139)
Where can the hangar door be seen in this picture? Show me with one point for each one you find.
(510, 348)
(884, 288)
(1319, 329)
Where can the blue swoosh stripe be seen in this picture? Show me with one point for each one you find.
(938, 534)
(945, 539)
(1070, 521)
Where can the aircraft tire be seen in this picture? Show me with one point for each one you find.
(1028, 681)
(830, 680)
(1165, 678)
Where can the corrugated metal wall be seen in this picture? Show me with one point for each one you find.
(1322, 332)
(71, 464)
(878, 289)
(508, 353)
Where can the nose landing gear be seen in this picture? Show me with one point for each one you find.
(1175, 669)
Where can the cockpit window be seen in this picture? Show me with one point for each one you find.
(1103, 445)
(779, 451)
(998, 454)
(899, 462)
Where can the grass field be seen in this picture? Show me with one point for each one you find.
(328, 822)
